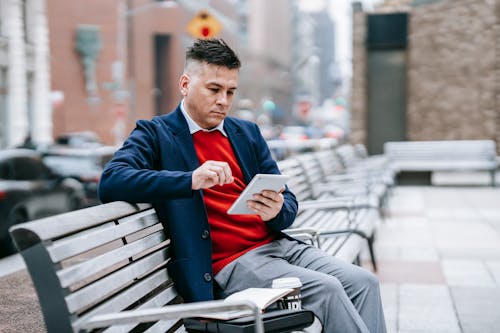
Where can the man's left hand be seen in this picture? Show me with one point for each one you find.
(267, 204)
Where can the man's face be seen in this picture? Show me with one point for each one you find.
(208, 92)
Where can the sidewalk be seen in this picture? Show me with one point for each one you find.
(439, 260)
(438, 255)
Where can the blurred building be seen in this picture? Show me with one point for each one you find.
(306, 60)
(426, 70)
(24, 73)
(315, 58)
(100, 65)
(324, 45)
(117, 61)
(266, 35)
(288, 58)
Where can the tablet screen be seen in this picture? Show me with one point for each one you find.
(258, 183)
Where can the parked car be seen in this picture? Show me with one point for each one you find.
(294, 133)
(334, 131)
(85, 139)
(29, 190)
(82, 164)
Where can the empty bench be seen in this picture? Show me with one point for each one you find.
(105, 267)
(452, 155)
(341, 226)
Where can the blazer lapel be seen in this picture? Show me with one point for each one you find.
(183, 139)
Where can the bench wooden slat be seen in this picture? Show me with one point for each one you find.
(139, 290)
(308, 218)
(349, 247)
(57, 226)
(114, 282)
(92, 266)
(314, 172)
(161, 326)
(101, 235)
(442, 150)
(329, 164)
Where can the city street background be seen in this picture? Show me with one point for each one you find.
(76, 75)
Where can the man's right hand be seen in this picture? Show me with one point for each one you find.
(211, 173)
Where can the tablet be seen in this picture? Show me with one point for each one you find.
(259, 183)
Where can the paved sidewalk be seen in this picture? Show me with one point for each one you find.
(439, 265)
(439, 260)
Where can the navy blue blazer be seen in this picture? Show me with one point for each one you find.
(155, 164)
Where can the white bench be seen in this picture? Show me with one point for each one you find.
(105, 267)
(452, 155)
(338, 225)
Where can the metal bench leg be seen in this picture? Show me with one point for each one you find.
(370, 241)
(384, 206)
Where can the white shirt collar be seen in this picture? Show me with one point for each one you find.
(194, 127)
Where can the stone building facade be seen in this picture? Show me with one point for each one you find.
(358, 126)
(453, 70)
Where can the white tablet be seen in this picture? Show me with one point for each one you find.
(258, 183)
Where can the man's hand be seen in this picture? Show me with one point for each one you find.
(267, 204)
(211, 173)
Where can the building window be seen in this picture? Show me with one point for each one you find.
(28, 22)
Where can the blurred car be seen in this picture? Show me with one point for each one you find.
(294, 133)
(268, 132)
(29, 190)
(314, 132)
(83, 164)
(334, 131)
(85, 139)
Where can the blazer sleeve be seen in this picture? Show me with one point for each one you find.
(133, 174)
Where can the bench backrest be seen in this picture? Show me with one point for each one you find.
(461, 150)
(348, 154)
(97, 260)
(329, 163)
(311, 168)
(298, 182)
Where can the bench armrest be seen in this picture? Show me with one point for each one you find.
(295, 231)
(326, 233)
(173, 312)
(308, 234)
(335, 203)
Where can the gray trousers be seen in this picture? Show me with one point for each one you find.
(344, 297)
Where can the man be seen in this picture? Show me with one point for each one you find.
(192, 164)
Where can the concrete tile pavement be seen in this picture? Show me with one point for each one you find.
(439, 260)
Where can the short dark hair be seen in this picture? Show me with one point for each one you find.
(213, 51)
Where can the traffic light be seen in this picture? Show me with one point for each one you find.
(204, 25)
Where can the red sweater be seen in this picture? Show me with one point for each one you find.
(232, 235)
